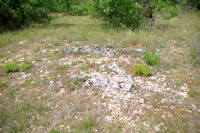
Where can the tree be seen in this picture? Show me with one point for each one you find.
(17, 13)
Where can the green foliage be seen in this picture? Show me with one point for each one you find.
(141, 69)
(15, 14)
(167, 9)
(84, 67)
(11, 67)
(1, 82)
(57, 5)
(81, 7)
(121, 13)
(193, 93)
(83, 126)
(54, 131)
(151, 58)
(134, 13)
(26, 66)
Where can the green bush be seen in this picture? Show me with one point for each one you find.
(134, 13)
(118, 13)
(141, 69)
(151, 58)
(18, 13)
(81, 7)
(11, 67)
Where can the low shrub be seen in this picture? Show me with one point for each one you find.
(11, 67)
(141, 69)
(151, 58)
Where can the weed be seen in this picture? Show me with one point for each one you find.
(49, 45)
(151, 58)
(74, 63)
(11, 92)
(57, 43)
(53, 130)
(42, 108)
(76, 52)
(54, 89)
(36, 50)
(84, 125)
(1, 82)
(11, 67)
(141, 128)
(193, 93)
(26, 66)
(84, 67)
(38, 59)
(174, 66)
(141, 69)
(114, 127)
(175, 125)
(63, 68)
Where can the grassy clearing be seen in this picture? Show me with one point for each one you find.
(174, 41)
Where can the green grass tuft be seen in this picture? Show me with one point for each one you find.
(193, 93)
(151, 58)
(1, 82)
(26, 66)
(11, 67)
(141, 69)
(84, 67)
(83, 126)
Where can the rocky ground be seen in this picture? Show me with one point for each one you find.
(73, 81)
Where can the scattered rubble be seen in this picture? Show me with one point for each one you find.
(121, 81)
(92, 49)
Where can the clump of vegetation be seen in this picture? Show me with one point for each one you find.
(74, 63)
(54, 130)
(84, 67)
(84, 125)
(141, 69)
(133, 13)
(193, 93)
(151, 58)
(11, 67)
(16, 14)
(26, 66)
(115, 127)
(1, 82)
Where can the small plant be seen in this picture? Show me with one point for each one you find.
(54, 131)
(63, 68)
(11, 67)
(1, 82)
(83, 126)
(74, 63)
(26, 66)
(151, 58)
(84, 67)
(193, 93)
(141, 69)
